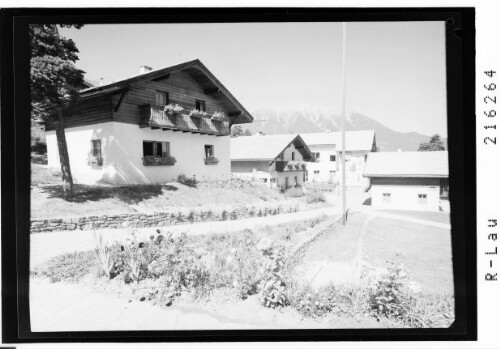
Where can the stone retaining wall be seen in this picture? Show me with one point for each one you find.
(161, 219)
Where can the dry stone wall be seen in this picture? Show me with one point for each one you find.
(161, 219)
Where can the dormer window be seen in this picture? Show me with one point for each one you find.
(201, 105)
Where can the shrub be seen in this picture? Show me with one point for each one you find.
(309, 303)
(190, 182)
(168, 260)
(315, 196)
(39, 158)
(234, 264)
(387, 299)
(272, 288)
(294, 192)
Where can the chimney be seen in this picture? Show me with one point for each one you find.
(101, 82)
(143, 69)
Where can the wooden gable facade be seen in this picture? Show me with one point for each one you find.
(134, 101)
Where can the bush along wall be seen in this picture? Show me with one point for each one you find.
(174, 216)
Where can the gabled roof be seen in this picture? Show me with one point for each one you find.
(265, 147)
(354, 140)
(195, 69)
(428, 164)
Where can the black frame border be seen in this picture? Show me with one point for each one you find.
(15, 86)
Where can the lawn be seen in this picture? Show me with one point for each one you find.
(425, 251)
(47, 200)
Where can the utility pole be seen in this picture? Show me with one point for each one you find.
(344, 212)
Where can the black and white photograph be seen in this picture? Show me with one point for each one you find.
(208, 176)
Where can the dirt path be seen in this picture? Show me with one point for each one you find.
(67, 307)
(75, 307)
(47, 245)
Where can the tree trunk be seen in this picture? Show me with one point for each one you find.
(67, 179)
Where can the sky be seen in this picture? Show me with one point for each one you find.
(395, 71)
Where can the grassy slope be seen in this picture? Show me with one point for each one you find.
(99, 200)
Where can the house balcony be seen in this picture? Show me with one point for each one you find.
(155, 117)
(285, 165)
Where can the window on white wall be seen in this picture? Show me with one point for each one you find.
(332, 157)
(152, 148)
(422, 199)
(95, 152)
(96, 148)
(209, 151)
(386, 197)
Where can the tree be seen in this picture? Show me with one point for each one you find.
(54, 84)
(247, 132)
(237, 131)
(435, 144)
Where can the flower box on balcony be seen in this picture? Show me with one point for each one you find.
(158, 160)
(95, 160)
(173, 109)
(211, 160)
(195, 113)
(295, 164)
(218, 116)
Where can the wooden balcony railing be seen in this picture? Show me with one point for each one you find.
(285, 165)
(155, 117)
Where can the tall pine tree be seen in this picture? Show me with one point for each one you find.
(54, 84)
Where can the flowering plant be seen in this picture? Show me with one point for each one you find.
(172, 109)
(197, 113)
(95, 160)
(165, 160)
(211, 160)
(218, 116)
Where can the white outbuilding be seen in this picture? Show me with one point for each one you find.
(407, 180)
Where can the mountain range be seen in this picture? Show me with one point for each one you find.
(306, 119)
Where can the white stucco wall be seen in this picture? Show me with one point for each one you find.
(122, 152)
(330, 171)
(405, 197)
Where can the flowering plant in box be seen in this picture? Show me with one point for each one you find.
(211, 160)
(197, 113)
(172, 109)
(95, 160)
(165, 160)
(218, 116)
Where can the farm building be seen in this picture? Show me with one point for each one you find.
(277, 160)
(408, 180)
(327, 150)
(151, 127)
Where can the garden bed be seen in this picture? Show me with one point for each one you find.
(225, 272)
